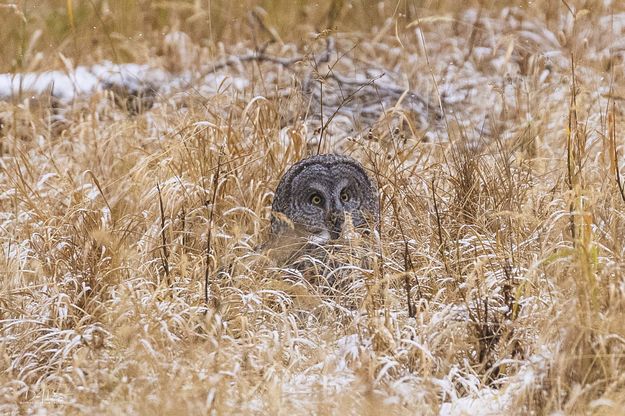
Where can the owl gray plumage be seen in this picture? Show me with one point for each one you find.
(315, 194)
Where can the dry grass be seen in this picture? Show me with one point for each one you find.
(498, 273)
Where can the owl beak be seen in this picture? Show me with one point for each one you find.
(337, 219)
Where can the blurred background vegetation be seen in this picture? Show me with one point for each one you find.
(34, 33)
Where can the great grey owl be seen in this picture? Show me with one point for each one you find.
(319, 195)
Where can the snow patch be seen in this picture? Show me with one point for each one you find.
(80, 81)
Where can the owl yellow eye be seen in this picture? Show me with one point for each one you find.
(315, 199)
(344, 196)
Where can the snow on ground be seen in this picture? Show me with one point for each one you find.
(82, 80)
(486, 402)
(85, 80)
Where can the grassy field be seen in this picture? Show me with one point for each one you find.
(132, 274)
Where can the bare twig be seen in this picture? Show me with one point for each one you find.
(568, 7)
(323, 126)
(324, 59)
(612, 138)
(384, 88)
(408, 266)
(344, 102)
(571, 146)
(165, 254)
(442, 246)
(210, 227)
(254, 56)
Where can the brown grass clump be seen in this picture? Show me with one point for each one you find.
(132, 275)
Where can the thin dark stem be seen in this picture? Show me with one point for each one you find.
(320, 115)
(441, 242)
(572, 135)
(210, 227)
(616, 167)
(165, 255)
(408, 266)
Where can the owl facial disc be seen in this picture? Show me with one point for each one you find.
(315, 195)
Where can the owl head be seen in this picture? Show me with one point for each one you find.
(315, 196)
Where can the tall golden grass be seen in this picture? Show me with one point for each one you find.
(496, 284)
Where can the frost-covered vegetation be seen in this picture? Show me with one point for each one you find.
(140, 143)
